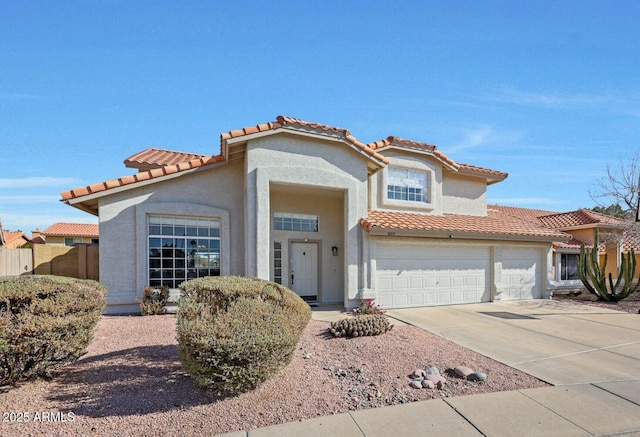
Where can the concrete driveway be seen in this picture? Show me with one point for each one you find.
(591, 355)
(558, 342)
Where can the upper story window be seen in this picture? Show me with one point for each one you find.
(407, 184)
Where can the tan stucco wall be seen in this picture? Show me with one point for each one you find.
(449, 193)
(463, 195)
(212, 192)
(313, 164)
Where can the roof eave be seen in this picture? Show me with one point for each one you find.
(378, 163)
(79, 202)
(416, 150)
(452, 235)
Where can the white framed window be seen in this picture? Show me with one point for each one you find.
(70, 241)
(569, 267)
(277, 262)
(295, 222)
(407, 184)
(182, 248)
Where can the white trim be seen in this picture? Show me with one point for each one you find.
(407, 204)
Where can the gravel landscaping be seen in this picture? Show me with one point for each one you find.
(131, 383)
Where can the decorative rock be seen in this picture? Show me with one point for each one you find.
(462, 371)
(440, 385)
(477, 376)
(415, 384)
(433, 371)
(417, 373)
(428, 384)
(436, 378)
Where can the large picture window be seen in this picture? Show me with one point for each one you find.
(407, 184)
(182, 248)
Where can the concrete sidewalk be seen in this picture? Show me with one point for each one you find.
(591, 355)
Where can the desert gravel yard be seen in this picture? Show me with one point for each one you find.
(131, 383)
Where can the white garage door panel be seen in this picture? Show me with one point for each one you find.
(431, 275)
(521, 273)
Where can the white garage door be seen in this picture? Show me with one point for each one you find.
(420, 275)
(521, 273)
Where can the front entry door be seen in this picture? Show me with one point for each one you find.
(304, 270)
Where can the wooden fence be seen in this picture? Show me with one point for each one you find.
(16, 262)
(77, 261)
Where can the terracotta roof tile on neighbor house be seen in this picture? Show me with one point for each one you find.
(580, 217)
(523, 213)
(495, 223)
(156, 158)
(13, 239)
(71, 229)
(571, 244)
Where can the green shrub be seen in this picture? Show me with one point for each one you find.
(234, 333)
(45, 323)
(360, 326)
(154, 300)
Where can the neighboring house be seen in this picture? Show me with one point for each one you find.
(67, 234)
(311, 207)
(13, 239)
(616, 237)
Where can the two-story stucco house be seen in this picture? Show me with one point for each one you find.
(311, 207)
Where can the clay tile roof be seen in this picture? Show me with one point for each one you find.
(77, 229)
(580, 217)
(401, 142)
(141, 176)
(487, 172)
(156, 158)
(524, 213)
(392, 141)
(249, 130)
(631, 241)
(12, 239)
(296, 123)
(495, 224)
(571, 244)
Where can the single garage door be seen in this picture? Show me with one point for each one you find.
(426, 275)
(521, 273)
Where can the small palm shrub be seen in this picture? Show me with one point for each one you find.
(234, 332)
(154, 300)
(45, 323)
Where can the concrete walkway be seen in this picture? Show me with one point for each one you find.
(590, 355)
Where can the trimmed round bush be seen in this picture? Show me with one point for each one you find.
(235, 332)
(45, 323)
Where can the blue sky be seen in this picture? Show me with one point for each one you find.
(548, 91)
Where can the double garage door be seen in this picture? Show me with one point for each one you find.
(412, 275)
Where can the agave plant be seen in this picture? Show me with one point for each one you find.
(593, 276)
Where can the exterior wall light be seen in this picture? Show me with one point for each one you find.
(334, 250)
